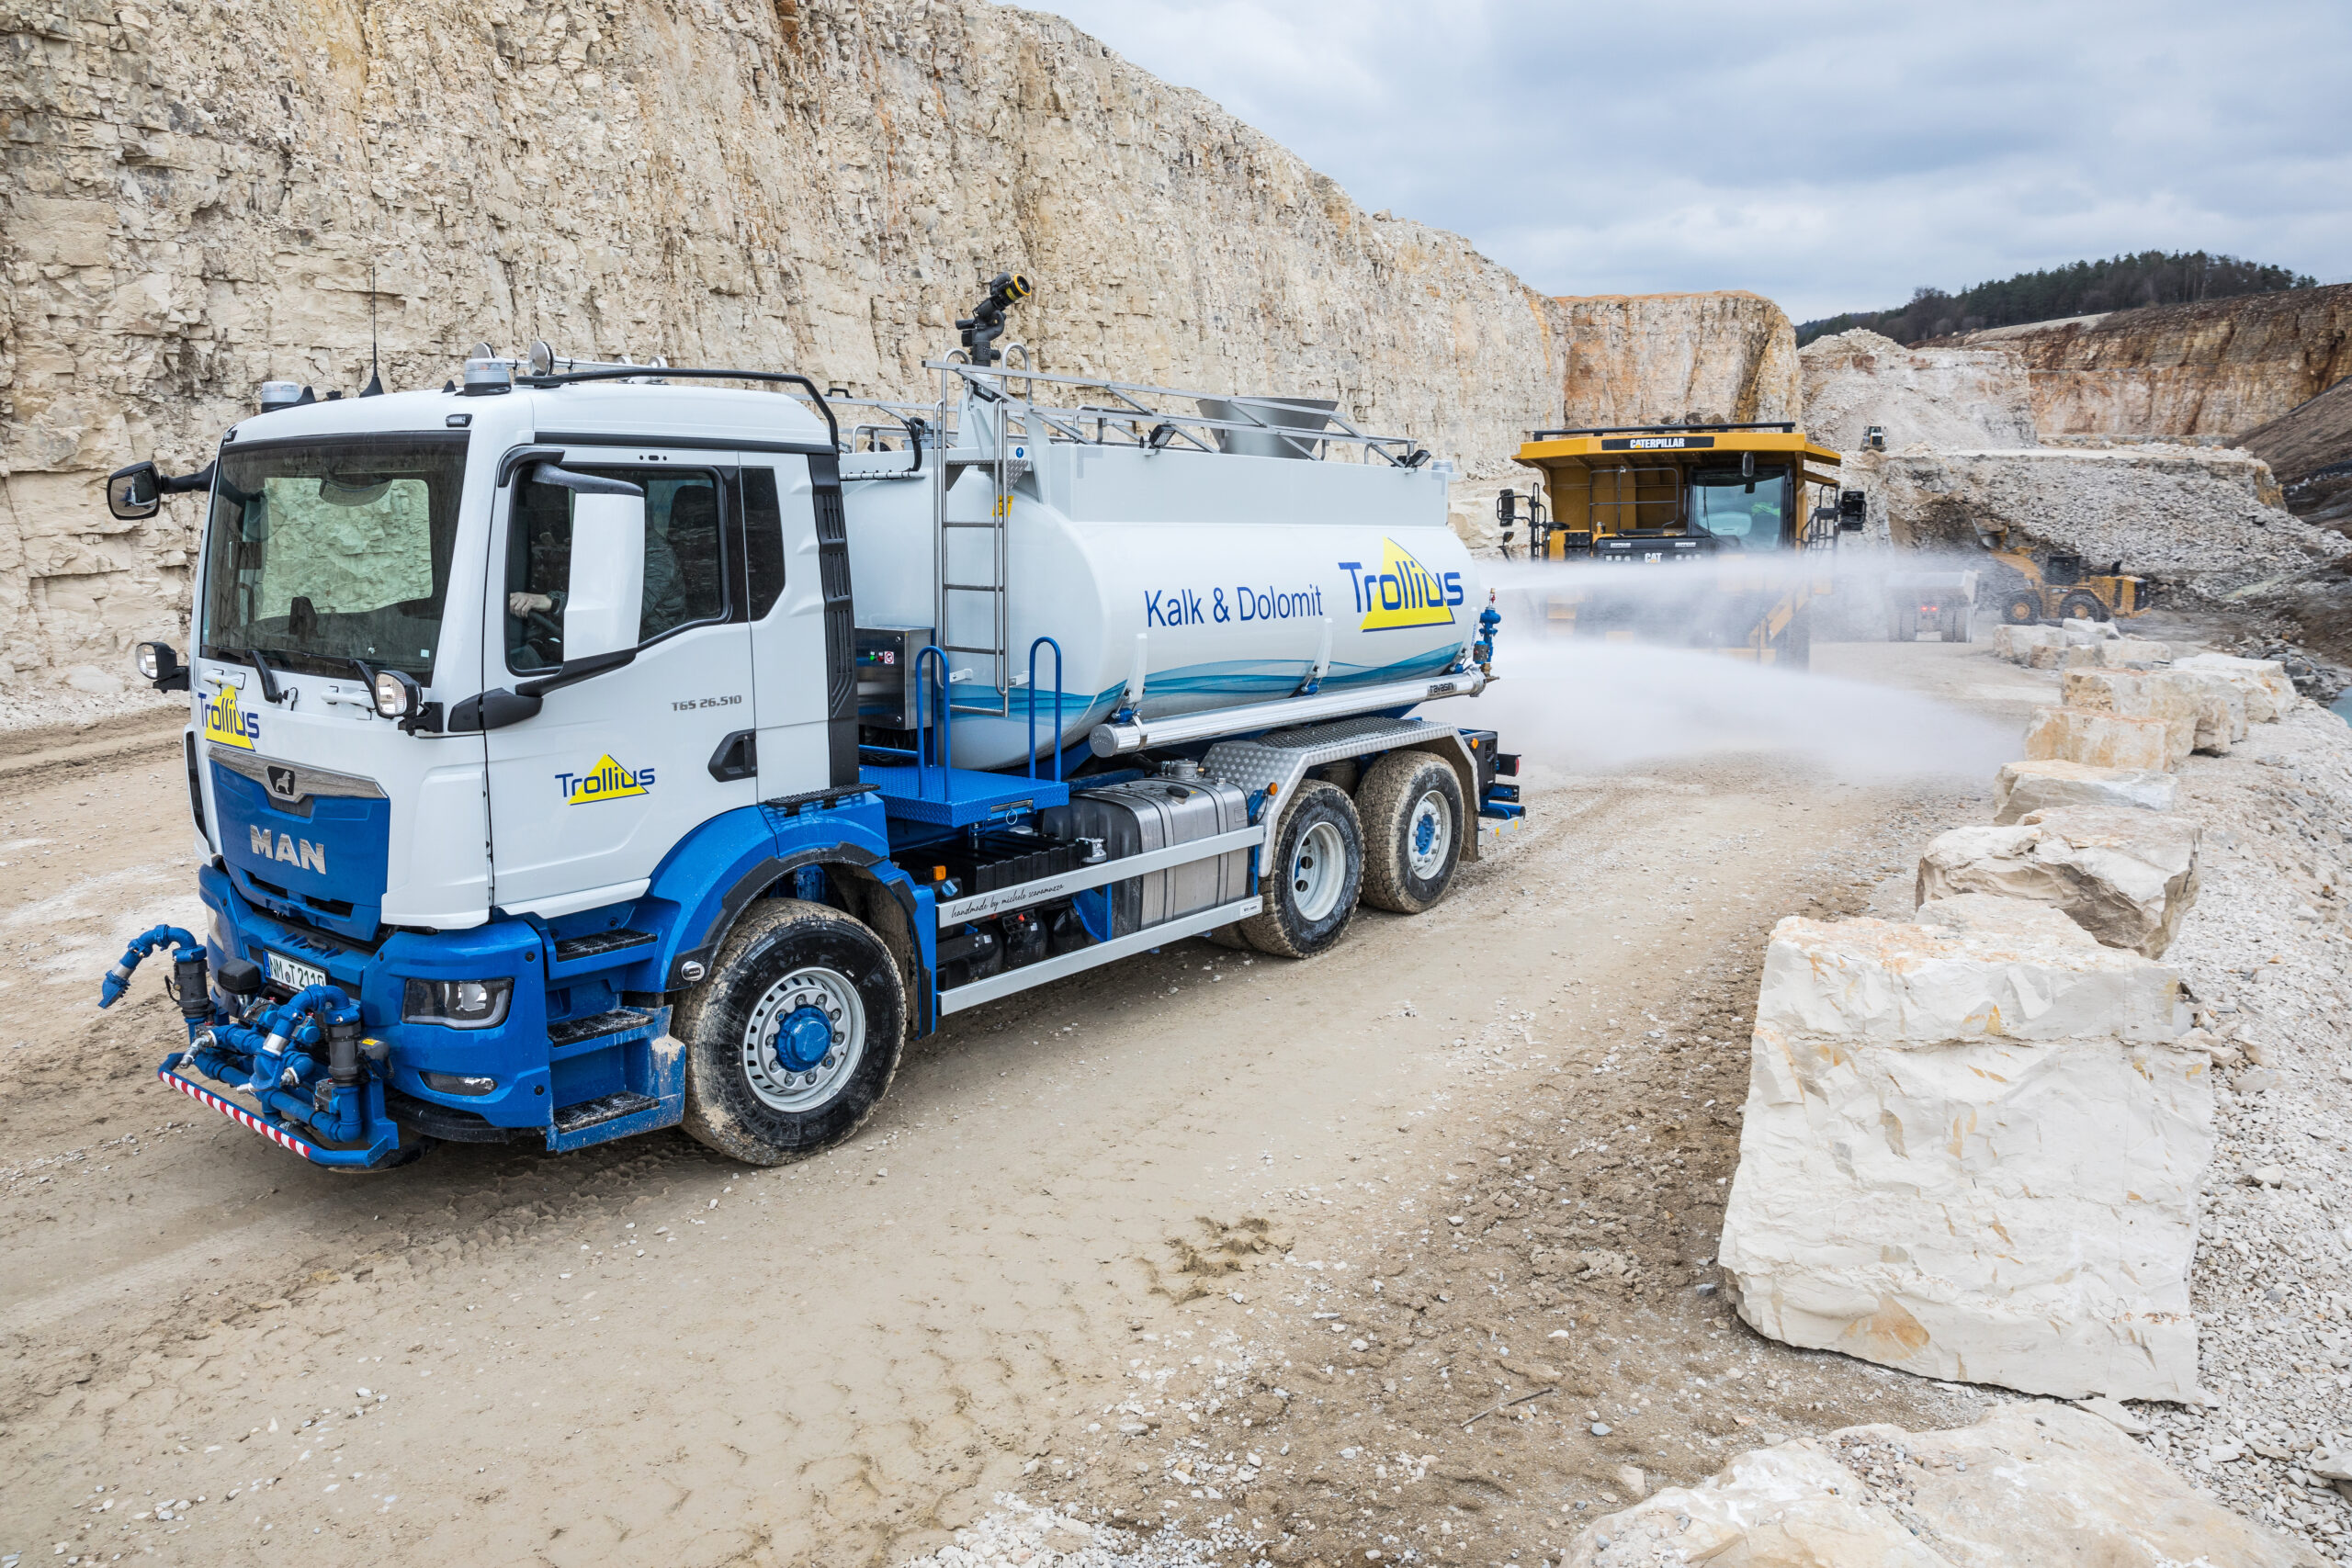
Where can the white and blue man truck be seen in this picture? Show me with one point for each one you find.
(589, 748)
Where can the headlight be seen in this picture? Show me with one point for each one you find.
(396, 694)
(460, 1004)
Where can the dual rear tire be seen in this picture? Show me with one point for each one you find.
(1394, 845)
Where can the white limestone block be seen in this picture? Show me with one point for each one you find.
(2017, 644)
(2101, 740)
(2028, 1486)
(1972, 1150)
(2127, 877)
(2049, 784)
(2270, 694)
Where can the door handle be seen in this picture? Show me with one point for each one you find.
(737, 757)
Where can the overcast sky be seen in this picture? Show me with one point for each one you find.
(1831, 155)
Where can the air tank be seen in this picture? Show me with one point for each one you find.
(1223, 577)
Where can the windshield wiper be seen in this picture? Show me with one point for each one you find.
(269, 693)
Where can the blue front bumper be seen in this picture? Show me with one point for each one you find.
(568, 1039)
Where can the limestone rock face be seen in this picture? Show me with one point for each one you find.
(2051, 785)
(198, 205)
(2099, 739)
(1941, 397)
(1972, 1150)
(2218, 368)
(1671, 358)
(2268, 692)
(2125, 876)
(2028, 1486)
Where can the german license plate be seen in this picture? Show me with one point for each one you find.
(287, 972)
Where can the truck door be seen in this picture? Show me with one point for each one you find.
(797, 587)
(589, 795)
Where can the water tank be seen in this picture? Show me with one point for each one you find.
(1233, 569)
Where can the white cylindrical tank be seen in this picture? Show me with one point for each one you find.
(1237, 573)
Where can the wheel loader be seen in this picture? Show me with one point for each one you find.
(2058, 588)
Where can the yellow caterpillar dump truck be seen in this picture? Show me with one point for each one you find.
(1708, 523)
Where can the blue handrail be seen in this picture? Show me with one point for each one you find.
(942, 727)
(1046, 642)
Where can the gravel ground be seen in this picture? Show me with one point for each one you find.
(2266, 952)
(1474, 1379)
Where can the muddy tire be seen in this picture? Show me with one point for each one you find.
(1312, 877)
(2021, 609)
(1410, 807)
(792, 1041)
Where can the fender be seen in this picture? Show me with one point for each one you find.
(722, 866)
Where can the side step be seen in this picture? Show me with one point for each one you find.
(596, 944)
(572, 1030)
(594, 1113)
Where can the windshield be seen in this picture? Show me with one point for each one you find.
(1724, 504)
(321, 552)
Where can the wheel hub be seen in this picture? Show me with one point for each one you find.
(803, 1038)
(1429, 836)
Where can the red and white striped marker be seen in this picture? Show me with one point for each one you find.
(238, 1113)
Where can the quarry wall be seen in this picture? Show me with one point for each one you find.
(205, 194)
(2219, 368)
(1942, 397)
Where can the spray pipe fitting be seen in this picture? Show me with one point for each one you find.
(118, 979)
(1490, 621)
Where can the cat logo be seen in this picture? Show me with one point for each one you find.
(283, 783)
(226, 723)
(1402, 592)
(301, 853)
(606, 780)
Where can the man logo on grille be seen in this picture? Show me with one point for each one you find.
(281, 783)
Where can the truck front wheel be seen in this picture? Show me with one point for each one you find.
(792, 1041)
(1410, 803)
(1312, 877)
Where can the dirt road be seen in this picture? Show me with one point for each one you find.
(212, 1346)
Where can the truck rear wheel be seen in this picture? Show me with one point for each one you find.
(1312, 878)
(792, 1041)
(1410, 807)
(2082, 605)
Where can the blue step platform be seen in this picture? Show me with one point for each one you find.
(960, 797)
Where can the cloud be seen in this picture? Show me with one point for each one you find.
(1831, 155)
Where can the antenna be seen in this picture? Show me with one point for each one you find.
(375, 387)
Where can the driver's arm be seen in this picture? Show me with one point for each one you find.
(521, 603)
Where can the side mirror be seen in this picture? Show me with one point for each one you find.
(1853, 510)
(135, 492)
(607, 598)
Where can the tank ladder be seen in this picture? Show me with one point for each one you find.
(953, 602)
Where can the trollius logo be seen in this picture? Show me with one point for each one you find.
(1402, 592)
(606, 780)
(226, 723)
